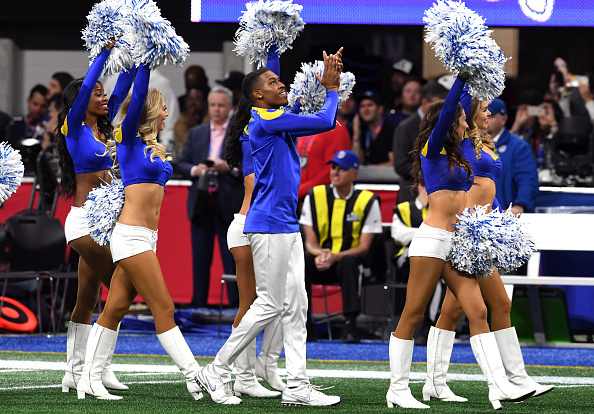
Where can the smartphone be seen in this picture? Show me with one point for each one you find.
(533, 110)
(575, 80)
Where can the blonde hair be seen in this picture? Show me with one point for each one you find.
(478, 138)
(147, 125)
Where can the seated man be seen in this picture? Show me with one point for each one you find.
(339, 223)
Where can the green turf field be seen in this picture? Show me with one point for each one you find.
(30, 383)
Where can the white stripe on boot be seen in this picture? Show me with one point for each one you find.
(76, 346)
(246, 382)
(511, 355)
(267, 362)
(108, 377)
(98, 348)
(439, 350)
(175, 345)
(486, 352)
(399, 394)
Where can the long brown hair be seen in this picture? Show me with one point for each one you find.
(478, 138)
(451, 143)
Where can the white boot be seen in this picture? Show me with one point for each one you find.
(439, 350)
(76, 345)
(511, 354)
(266, 364)
(98, 348)
(175, 345)
(246, 382)
(486, 352)
(108, 377)
(399, 394)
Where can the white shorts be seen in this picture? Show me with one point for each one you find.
(76, 225)
(127, 241)
(235, 235)
(431, 242)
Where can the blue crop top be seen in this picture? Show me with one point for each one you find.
(434, 161)
(87, 152)
(136, 166)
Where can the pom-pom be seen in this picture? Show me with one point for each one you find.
(108, 21)
(102, 209)
(156, 41)
(266, 23)
(464, 44)
(305, 86)
(11, 171)
(484, 241)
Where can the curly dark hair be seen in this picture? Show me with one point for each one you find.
(241, 118)
(451, 144)
(68, 181)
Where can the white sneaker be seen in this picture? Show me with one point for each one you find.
(308, 394)
(212, 383)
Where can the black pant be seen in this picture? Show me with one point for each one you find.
(345, 272)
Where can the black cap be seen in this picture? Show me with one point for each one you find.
(232, 80)
(371, 95)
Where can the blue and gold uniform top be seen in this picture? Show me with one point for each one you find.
(87, 151)
(434, 162)
(276, 164)
(136, 166)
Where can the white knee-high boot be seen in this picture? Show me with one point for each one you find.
(439, 350)
(98, 349)
(399, 394)
(76, 346)
(108, 377)
(511, 355)
(175, 345)
(266, 364)
(486, 352)
(246, 382)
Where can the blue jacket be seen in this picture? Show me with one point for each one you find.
(518, 181)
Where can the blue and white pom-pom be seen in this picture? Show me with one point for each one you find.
(109, 21)
(157, 43)
(102, 209)
(11, 171)
(305, 86)
(484, 241)
(464, 44)
(266, 23)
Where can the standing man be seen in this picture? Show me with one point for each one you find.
(215, 195)
(405, 136)
(518, 182)
(339, 224)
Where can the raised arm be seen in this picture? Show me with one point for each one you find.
(446, 117)
(139, 93)
(120, 91)
(466, 101)
(273, 63)
(79, 107)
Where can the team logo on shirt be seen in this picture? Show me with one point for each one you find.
(353, 217)
(501, 148)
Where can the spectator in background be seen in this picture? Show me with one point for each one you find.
(193, 114)
(405, 136)
(31, 125)
(215, 195)
(409, 102)
(339, 223)
(518, 182)
(194, 78)
(401, 70)
(346, 112)
(233, 81)
(55, 106)
(372, 135)
(58, 83)
(314, 152)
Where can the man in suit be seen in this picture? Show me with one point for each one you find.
(405, 136)
(215, 195)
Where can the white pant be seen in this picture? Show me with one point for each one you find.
(280, 286)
